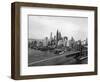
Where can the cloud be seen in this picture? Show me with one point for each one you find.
(41, 26)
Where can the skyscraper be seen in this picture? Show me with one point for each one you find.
(57, 36)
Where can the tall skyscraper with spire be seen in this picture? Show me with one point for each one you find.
(57, 36)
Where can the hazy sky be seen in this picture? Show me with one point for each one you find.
(41, 26)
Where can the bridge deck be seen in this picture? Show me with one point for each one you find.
(72, 53)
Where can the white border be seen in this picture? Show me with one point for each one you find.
(25, 70)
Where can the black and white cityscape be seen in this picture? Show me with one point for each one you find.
(57, 41)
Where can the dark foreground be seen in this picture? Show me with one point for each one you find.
(46, 58)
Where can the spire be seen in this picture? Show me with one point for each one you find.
(57, 35)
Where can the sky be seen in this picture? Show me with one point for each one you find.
(41, 26)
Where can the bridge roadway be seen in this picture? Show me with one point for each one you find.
(57, 59)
